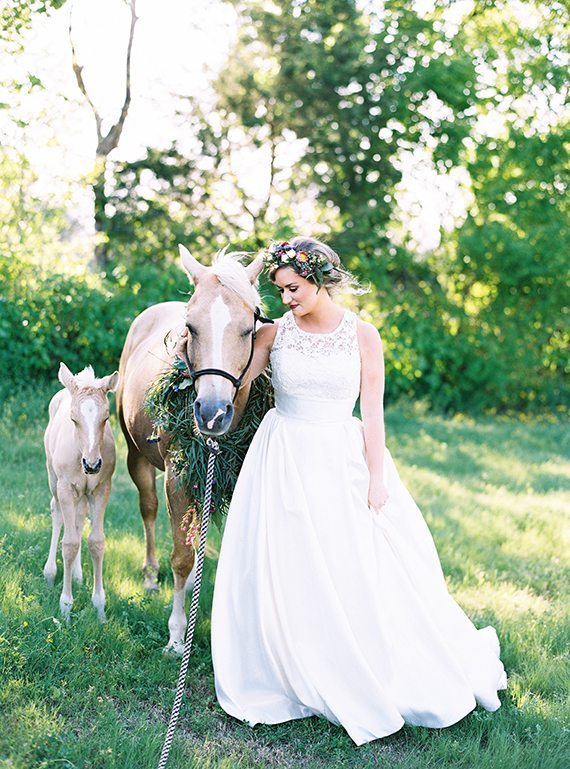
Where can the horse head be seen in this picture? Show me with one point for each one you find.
(89, 412)
(220, 330)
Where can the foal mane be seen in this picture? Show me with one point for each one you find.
(230, 272)
(87, 378)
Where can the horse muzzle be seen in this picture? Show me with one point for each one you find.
(91, 468)
(213, 417)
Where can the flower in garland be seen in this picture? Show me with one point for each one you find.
(307, 264)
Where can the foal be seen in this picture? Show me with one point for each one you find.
(80, 454)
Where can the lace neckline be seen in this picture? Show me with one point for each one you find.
(318, 333)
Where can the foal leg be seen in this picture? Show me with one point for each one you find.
(96, 542)
(182, 562)
(50, 567)
(143, 474)
(70, 544)
(81, 513)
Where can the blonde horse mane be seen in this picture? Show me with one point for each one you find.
(230, 272)
(87, 378)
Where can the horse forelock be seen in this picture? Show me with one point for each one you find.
(87, 379)
(230, 272)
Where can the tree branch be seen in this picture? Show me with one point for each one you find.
(78, 72)
(110, 141)
(273, 143)
(106, 143)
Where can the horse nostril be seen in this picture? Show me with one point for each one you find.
(197, 407)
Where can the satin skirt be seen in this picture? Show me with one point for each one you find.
(324, 607)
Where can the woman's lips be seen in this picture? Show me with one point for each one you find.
(292, 306)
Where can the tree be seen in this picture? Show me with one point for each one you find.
(106, 142)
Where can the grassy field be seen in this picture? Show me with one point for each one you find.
(93, 696)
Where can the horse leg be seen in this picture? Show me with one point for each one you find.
(81, 513)
(182, 561)
(143, 474)
(50, 568)
(70, 544)
(96, 542)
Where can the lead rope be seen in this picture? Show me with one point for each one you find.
(214, 449)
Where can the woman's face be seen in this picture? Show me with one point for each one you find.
(299, 294)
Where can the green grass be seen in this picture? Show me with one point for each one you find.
(95, 696)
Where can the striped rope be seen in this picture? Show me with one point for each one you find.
(214, 449)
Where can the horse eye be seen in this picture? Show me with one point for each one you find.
(247, 332)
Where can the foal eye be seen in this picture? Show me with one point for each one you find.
(191, 329)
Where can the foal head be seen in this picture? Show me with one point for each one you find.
(89, 412)
(220, 322)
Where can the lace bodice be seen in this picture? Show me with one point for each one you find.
(309, 368)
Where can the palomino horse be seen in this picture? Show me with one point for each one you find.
(80, 455)
(220, 321)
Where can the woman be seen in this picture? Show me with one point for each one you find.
(329, 596)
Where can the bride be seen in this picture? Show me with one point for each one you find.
(329, 596)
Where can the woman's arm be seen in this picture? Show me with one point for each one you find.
(264, 338)
(372, 409)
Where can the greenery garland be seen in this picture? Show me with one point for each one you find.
(169, 402)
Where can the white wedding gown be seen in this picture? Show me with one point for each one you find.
(322, 606)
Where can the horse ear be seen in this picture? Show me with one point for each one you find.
(192, 266)
(254, 268)
(110, 383)
(66, 378)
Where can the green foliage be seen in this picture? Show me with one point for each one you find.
(16, 16)
(481, 322)
(48, 315)
(170, 404)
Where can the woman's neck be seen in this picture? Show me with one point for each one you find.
(323, 318)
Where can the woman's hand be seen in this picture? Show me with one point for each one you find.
(181, 344)
(377, 495)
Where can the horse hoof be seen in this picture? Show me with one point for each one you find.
(150, 574)
(173, 649)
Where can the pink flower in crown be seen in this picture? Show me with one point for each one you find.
(302, 256)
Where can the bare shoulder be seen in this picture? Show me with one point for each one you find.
(368, 337)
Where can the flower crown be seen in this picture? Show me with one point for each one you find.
(307, 264)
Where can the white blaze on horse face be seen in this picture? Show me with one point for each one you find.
(89, 411)
(220, 318)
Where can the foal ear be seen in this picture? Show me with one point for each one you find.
(254, 268)
(110, 383)
(66, 378)
(192, 266)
